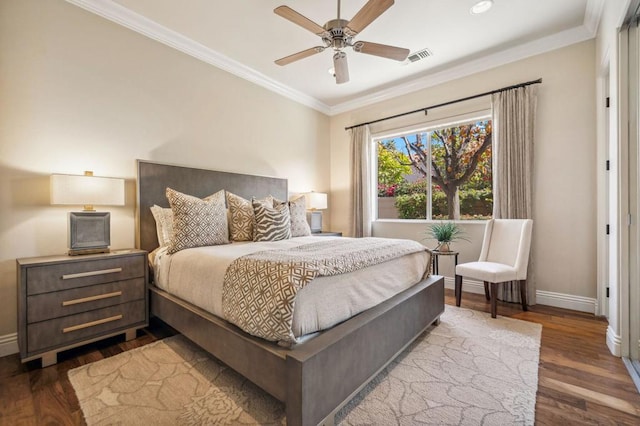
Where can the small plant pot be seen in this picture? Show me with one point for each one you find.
(443, 247)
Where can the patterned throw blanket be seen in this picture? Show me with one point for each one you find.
(259, 289)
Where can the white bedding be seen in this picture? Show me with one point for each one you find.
(196, 275)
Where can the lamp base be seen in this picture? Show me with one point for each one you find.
(79, 252)
(315, 221)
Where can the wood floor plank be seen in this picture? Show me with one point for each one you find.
(579, 381)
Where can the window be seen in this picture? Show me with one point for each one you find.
(437, 173)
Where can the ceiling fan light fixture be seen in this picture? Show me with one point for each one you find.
(341, 67)
(481, 7)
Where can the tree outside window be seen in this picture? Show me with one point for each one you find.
(444, 173)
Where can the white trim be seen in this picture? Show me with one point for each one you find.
(119, 14)
(631, 368)
(526, 50)
(566, 301)
(548, 298)
(127, 18)
(9, 344)
(614, 342)
(468, 286)
(592, 15)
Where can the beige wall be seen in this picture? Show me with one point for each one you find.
(564, 246)
(81, 93)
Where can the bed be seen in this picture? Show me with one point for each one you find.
(315, 378)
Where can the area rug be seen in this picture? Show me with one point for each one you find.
(469, 370)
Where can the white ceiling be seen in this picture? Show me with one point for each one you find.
(245, 37)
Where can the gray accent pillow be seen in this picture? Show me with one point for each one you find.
(298, 212)
(197, 222)
(273, 223)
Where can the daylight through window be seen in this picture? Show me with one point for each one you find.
(440, 173)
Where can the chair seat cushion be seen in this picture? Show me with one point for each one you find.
(487, 271)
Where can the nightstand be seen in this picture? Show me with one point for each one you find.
(326, 234)
(68, 301)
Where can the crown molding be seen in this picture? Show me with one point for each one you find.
(592, 15)
(536, 47)
(119, 14)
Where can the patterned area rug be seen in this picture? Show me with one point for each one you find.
(469, 370)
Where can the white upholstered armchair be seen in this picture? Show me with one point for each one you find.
(504, 257)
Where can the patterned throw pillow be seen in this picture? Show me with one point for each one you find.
(298, 212)
(197, 222)
(242, 219)
(272, 223)
(241, 213)
(164, 224)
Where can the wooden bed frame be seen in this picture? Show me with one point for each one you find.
(316, 378)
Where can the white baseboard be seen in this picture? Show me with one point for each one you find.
(9, 344)
(614, 342)
(548, 298)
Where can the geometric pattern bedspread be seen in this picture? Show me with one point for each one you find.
(259, 289)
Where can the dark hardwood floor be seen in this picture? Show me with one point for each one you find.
(579, 381)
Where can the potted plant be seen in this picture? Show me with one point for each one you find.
(445, 233)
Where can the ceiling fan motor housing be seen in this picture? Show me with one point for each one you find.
(337, 37)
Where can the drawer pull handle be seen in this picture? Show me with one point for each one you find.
(91, 273)
(91, 324)
(92, 298)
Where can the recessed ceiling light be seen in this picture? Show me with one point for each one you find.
(481, 7)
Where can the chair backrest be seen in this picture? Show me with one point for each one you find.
(508, 241)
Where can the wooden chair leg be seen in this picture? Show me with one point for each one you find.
(523, 294)
(494, 300)
(458, 289)
(486, 290)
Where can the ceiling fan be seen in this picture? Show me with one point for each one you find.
(338, 34)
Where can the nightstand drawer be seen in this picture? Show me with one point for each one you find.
(66, 330)
(68, 302)
(63, 276)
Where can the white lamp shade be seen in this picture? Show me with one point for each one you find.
(87, 190)
(316, 200)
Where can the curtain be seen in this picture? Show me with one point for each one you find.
(361, 169)
(514, 113)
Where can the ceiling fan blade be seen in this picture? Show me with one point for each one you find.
(300, 55)
(383, 50)
(340, 67)
(367, 15)
(293, 16)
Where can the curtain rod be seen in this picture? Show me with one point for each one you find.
(425, 109)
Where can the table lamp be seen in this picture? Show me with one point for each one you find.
(89, 230)
(315, 201)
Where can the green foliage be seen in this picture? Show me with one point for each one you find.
(474, 203)
(392, 165)
(446, 232)
(412, 206)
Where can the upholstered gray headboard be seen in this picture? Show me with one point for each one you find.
(154, 178)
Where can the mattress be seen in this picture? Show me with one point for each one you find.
(196, 275)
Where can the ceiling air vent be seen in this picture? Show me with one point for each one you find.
(420, 54)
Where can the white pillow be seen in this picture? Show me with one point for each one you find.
(164, 224)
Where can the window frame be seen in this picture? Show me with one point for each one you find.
(429, 128)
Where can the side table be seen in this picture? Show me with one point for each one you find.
(438, 253)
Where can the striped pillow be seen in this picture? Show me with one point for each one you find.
(272, 223)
